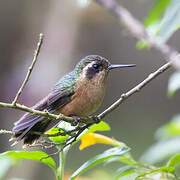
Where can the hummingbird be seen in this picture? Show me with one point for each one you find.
(77, 94)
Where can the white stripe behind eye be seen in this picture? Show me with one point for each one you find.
(86, 68)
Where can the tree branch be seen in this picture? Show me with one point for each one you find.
(2, 131)
(134, 90)
(137, 30)
(36, 112)
(36, 53)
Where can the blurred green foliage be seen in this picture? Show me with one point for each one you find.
(162, 21)
(174, 84)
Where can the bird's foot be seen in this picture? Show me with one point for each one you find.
(72, 132)
(73, 136)
(76, 133)
(76, 120)
(95, 118)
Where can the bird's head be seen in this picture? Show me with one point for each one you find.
(96, 68)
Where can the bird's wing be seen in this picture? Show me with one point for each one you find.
(52, 102)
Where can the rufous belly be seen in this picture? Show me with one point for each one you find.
(85, 101)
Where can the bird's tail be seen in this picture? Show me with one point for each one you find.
(30, 127)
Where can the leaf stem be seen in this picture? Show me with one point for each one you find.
(36, 53)
(60, 170)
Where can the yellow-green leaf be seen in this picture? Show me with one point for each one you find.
(35, 155)
(118, 151)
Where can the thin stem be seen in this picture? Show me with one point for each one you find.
(134, 90)
(36, 53)
(3, 131)
(62, 158)
(37, 112)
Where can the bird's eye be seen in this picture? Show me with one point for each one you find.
(95, 66)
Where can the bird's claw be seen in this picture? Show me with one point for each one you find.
(95, 118)
(72, 132)
(75, 120)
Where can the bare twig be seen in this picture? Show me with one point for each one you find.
(134, 90)
(137, 30)
(36, 53)
(3, 131)
(36, 112)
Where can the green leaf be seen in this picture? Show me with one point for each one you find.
(118, 151)
(35, 155)
(152, 21)
(57, 139)
(170, 129)
(161, 151)
(173, 84)
(170, 21)
(163, 173)
(163, 27)
(124, 171)
(126, 158)
(174, 161)
(102, 126)
(62, 126)
(142, 45)
(156, 12)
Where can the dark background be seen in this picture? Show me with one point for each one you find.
(72, 32)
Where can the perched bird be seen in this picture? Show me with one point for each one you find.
(78, 93)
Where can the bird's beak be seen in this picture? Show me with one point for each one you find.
(113, 66)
